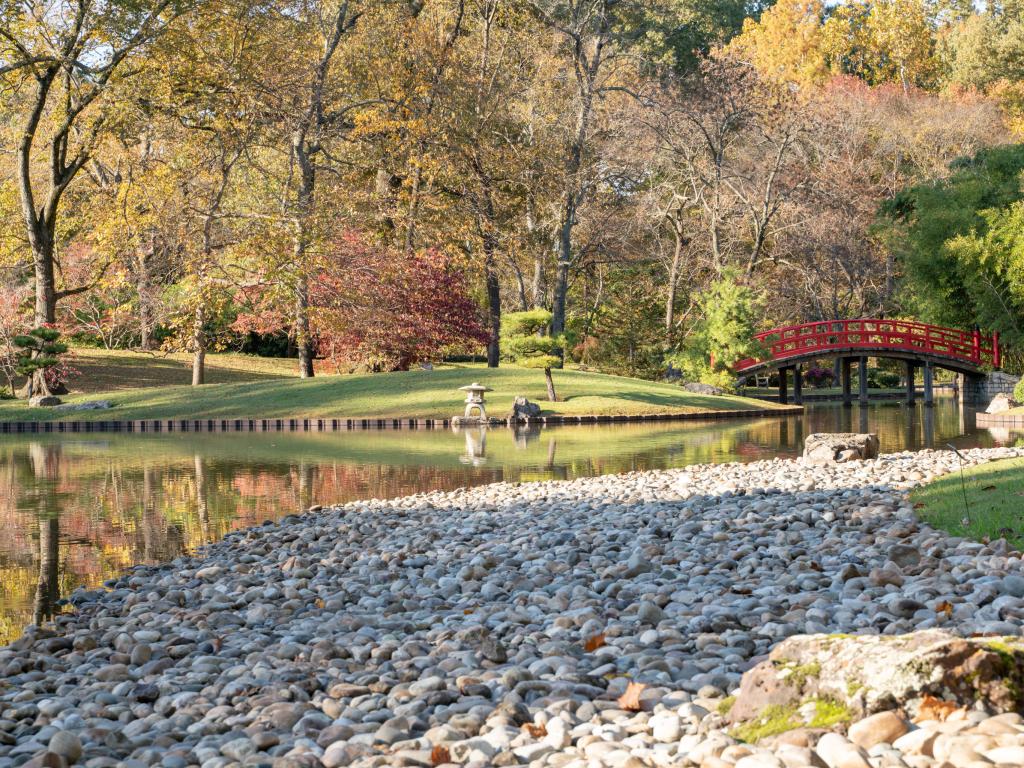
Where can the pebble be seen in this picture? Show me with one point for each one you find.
(500, 625)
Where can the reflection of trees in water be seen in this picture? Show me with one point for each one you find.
(47, 590)
(79, 513)
(45, 463)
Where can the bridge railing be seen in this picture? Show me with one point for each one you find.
(865, 334)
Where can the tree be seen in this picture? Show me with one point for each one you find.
(60, 61)
(318, 30)
(883, 41)
(588, 29)
(730, 311)
(529, 341)
(732, 145)
(386, 310)
(12, 326)
(38, 351)
(785, 44)
(957, 242)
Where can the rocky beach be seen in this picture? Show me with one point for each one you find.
(599, 622)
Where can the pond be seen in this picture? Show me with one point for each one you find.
(79, 509)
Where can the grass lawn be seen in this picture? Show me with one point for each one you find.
(145, 387)
(105, 370)
(995, 497)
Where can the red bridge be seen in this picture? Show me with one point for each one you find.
(970, 353)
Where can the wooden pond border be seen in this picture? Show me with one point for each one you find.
(349, 424)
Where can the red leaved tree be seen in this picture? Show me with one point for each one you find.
(375, 308)
(387, 310)
(15, 320)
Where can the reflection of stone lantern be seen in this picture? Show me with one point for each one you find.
(476, 447)
(475, 400)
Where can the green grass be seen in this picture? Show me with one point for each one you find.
(260, 388)
(995, 498)
(105, 370)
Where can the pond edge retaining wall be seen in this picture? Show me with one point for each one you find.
(999, 420)
(153, 426)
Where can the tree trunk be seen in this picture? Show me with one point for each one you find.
(45, 306)
(673, 281)
(561, 288)
(552, 397)
(537, 288)
(487, 225)
(303, 340)
(493, 313)
(199, 346)
(143, 288)
(524, 304)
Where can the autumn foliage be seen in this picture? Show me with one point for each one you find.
(385, 311)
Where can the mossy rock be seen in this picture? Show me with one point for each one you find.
(872, 673)
(775, 719)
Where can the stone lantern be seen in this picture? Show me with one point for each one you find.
(475, 400)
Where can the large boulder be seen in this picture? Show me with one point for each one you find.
(875, 673)
(1000, 403)
(833, 448)
(44, 401)
(698, 388)
(88, 405)
(522, 411)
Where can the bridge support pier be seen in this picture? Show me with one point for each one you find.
(911, 391)
(798, 385)
(863, 379)
(846, 377)
(783, 394)
(929, 390)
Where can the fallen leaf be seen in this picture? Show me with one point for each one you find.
(593, 642)
(319, 602)
(945, 607)
(536, 731)
(935, 709)
(919, 505)
(630, 700)
(440, 755)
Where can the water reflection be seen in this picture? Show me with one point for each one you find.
(76, 509)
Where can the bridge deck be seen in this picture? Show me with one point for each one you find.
(962, 351)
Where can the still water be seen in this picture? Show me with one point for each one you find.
(79, 509)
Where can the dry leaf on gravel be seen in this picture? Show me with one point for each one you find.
(630, 700)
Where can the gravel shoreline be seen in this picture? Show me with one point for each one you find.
(498, 625)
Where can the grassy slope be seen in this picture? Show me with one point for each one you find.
(115, 370)
(266, 389)
(995, 497)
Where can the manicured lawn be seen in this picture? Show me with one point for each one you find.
(995, 498)
(271, 392)
(115, 370)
